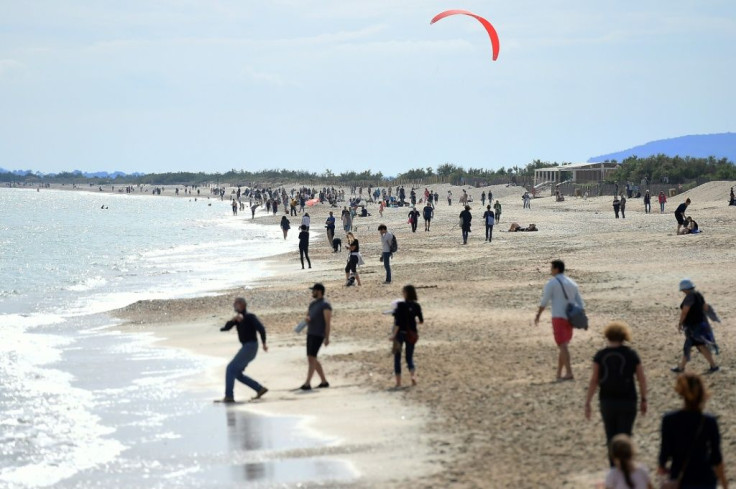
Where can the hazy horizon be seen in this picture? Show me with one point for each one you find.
(209, 86)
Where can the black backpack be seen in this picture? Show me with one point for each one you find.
(394, 244)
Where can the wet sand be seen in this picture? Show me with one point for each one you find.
(486, 412)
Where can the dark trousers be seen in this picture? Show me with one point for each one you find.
(414, 226)
(401, 338)
(647, 208)
(618, 417)
(489, 232)
(304, 253)
(387, 265)
(465, 236)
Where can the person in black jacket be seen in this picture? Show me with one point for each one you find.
(405, 331)
(413, 219)
(248, 327)
(466, 218)
(304, 246)
(691, 440)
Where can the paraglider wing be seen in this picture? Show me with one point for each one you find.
(495, 43)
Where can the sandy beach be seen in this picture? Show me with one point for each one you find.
(487, 412)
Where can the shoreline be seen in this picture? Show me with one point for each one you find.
(491, 395)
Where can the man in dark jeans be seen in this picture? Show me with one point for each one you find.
(247, 325)
(386, 239)
(413, 219)
(466, 219)
(490, 219)
(319, 319)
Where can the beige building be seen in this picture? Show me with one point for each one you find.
(576, 173)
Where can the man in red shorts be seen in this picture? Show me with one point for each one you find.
(554, 293)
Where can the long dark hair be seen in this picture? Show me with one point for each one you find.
(411, 293)
(623, 451)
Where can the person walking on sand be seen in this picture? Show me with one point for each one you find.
(625, 473)
(404, 333)
(662, 201)
(449, 197)
(614, 369)
(483, 198)
(691, 440)
(694, 324)
(647, 203)
(561, 327)
(428, 214)
(413, 219)
(497, 208)
(248, 327)
(304, 246)
(386, 240)
(490, 219)
(465, 221)
(319, 322)
(680, 214)
(380, 209)
(330, 227)
(353, 260)
(285, 225)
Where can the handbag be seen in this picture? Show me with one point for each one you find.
(412, 337)
(677, 483)
(575, 314)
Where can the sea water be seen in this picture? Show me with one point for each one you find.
(82, 405)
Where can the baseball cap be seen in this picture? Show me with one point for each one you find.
(686, 284)
(318, 286)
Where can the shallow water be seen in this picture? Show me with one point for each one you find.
(82, 405)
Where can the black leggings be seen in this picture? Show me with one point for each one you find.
(352, 265)
(304, 253)
(618, 417)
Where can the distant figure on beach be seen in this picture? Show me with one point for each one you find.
(380, 208)
(623, 206)
(306, 220)
(555, 291)
(354, 259)
(732, 198)
(449, 197)
(413, 219)
(304, 245)
(490, 219)
(234, 205)
(428, 214)
(497, 209)
(625, 473)
(285, 225)
(680, 214)
(253, 211)
(694, 324)
(330, 227)
(386, 240)
(691, 440)
(527, 200)
(248, 327)
(465, 223)
(616, 205)
(319, 321)
(404, 333)
(483, 198)
(662, 198)
(647, 203)
(614, 369)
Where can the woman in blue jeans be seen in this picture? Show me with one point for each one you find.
(405, 331)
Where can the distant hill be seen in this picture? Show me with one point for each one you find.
(697, 146)
(81, 174)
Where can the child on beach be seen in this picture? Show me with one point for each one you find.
(626, 474)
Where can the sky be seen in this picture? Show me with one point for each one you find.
(211, 85)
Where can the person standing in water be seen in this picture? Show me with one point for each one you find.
(285, 225)
(304, 246)
(253, 211)
(405, 331)
(248, 327)
(319, 322)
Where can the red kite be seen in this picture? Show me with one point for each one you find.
(489, 28)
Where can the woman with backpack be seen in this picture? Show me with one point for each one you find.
(404, 333)
(614, 369)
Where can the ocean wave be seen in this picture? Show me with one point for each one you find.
(87, 284)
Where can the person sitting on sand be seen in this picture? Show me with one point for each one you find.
(248, 327)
